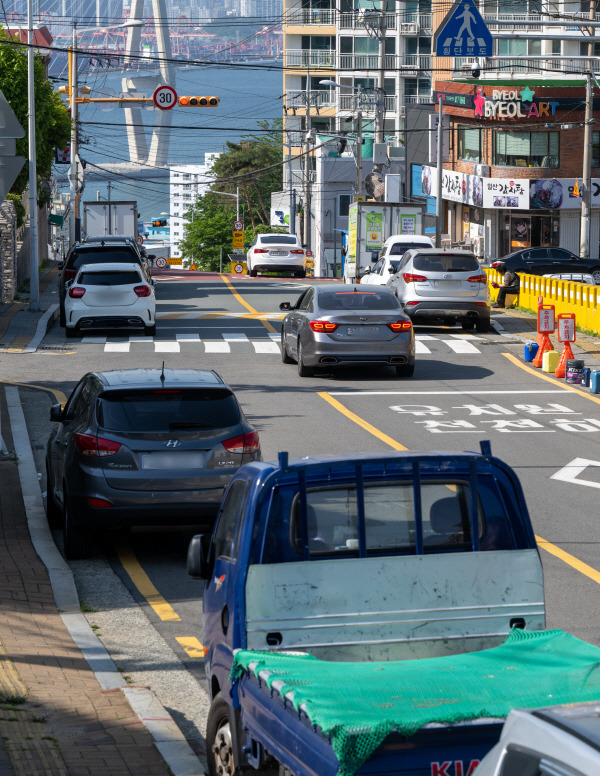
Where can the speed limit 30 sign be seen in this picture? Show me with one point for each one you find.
(165, 97)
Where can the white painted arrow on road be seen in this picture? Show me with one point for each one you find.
(571, 472)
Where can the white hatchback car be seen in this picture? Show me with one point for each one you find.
(276, 253)
(110, 296)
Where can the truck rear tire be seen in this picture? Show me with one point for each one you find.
(219, 742)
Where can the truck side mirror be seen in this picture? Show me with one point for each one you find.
(199, 560)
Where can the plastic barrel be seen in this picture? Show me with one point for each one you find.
(550, 361)
(595, 382)
(531, 349)
(574, 371)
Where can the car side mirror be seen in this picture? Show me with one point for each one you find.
(285, 306)
(151, 257)
(199, 557)
(366, 271)
(61, 265)
(390, 269)
(374, 255)
(56, 413)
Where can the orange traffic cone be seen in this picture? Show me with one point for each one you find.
(545, 346)
(566, 354)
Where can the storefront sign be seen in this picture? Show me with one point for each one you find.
(456, 186)
(505, 193)
(559, 193)
(513, 103)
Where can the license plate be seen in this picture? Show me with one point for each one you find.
(174, 460)
(367, 332)
(277, 253)
(446, 283)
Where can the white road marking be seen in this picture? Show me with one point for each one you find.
(571, 472)
(461, 346)
(117, 347)
(187, 337)
(235, 336)
(420, 347)
(94, 340)
(141, 339)
(265, 347)
(439, 393)
(166, 347)
(217, 347)
(276, 336)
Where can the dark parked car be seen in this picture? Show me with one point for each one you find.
(348, 326)
(549, 261)
(143, 447)
(103, 252)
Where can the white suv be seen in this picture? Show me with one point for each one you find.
(276, 253)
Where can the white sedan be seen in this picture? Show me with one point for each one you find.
(110, 296)
(276, 253)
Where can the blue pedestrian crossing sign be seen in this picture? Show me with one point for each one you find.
(463, 33)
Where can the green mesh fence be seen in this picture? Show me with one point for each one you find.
(357, 705)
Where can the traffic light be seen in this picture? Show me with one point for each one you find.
(159, 222)
(198, 102)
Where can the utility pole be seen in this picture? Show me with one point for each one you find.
(439, 212)
(73, 104)
(359, 140)
(586, 195)
(380, 91)
(108, 186)
(307, 163)
(292, 192)
(34, 281)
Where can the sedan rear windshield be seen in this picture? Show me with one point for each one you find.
(278, 239)
(112, 278)
(103, 256)
(400, 248)
(445, 263)
(167, 410)
(358, 300)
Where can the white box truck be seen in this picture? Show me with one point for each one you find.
(104, 218)
(369, 224)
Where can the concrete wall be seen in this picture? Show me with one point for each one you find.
(8, 243)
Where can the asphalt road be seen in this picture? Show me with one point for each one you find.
(466, 388)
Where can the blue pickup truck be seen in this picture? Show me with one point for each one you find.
(344, 595)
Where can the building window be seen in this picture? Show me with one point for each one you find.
(469, 144)
(187, 185)
(526, 149)
(344, 205)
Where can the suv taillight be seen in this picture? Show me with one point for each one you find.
(410, 278)
(245, 443)
(70, 274)
(76, 292)
(95, 447)
(478, 278)
(142, 290)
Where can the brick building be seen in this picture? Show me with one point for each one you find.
(515, 153)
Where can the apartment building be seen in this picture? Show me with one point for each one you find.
(325, 41)
(516, 133)
(186, 183)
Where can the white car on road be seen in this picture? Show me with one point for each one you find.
(276, 253)
(393, 250)
(110, 296)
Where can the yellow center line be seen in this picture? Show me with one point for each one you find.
(142, 581)
(245, 304)
(58, 395)
(543, 376)
(192, 646)
(570, 560)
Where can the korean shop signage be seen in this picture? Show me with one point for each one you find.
(513, 104)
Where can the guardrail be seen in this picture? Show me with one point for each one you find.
(567, 296)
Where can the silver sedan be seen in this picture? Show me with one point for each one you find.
(345, 326)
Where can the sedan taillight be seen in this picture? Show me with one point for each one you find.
(478, 278)
(260, 250)
(297, 251)
(410, 278)
(322, 326)
(95, 447)
(142, 290)
(245, 443)
(76, 292)
(400, 326)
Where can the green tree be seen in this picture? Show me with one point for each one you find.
(52, 121)
(255, 165)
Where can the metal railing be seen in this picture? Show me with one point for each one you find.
(528, 21)
(417, 99)
(515, 65)
(367, 62)
(310, 16)
(422, 21)
(353, 21)
(368, 102)
(417, 62)
(304, 58)
(318, 99)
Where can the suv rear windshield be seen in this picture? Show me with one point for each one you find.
(400, 248)
(112, 278)
(358, 300)
(278, 239)
(445, 263)
(167, 410)
(104, 255)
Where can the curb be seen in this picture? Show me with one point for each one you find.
(167, 737)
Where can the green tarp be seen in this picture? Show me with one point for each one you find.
(357, 705)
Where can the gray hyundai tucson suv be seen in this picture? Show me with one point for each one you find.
(143, 447)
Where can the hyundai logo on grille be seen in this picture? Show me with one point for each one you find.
(362, 318)
(447, 276)
(172, 443)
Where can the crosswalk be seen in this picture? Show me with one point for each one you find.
(229, 342)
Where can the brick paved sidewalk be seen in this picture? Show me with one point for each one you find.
(55, 719)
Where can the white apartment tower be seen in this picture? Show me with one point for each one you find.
(187, 182)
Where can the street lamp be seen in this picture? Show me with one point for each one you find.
(236, 196)
(73, 215)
